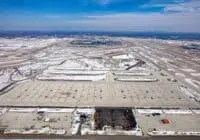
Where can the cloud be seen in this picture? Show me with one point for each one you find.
(175, 6)
(191, 6)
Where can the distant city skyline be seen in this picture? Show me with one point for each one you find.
(101, 15)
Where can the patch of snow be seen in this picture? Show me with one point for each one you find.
(75, 124)
(71, 78)
(180, 74)
(195, 74)
(192, 82)
(2, 111)
(187, 92)
(75, 72)
(137, 79)
(45, 130)
(68, 65)
(49, 110)
(18, 43)
(4, 80)
(122, 57)
(166, 60)
(4, 85)
(171, 70)
(149, 111)
(197, 111)
(191, 93)
(94, 63)
(40, 55)
(188, 70)
(47, 119)
(177, 111)
(56, 110)
(22, 109)
(137, 132)
(60, 132)
(132, 74)
(86, 110)
(173, 133)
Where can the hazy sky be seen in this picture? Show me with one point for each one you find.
(101, 15)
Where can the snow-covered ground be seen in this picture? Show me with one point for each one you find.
(71, 78)
(173, 133)
(4, 80)
(137, 79)
(68, 65)
(18, 43)
(123, 57)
